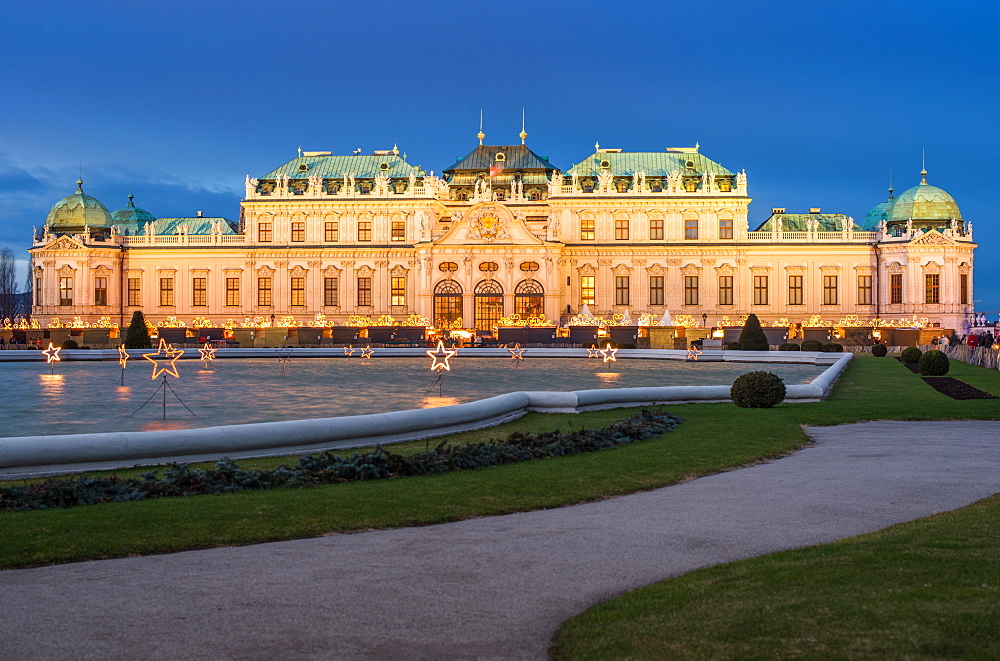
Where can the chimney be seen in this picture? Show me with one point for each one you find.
(776, 211)
(814, 210)
(201, 212)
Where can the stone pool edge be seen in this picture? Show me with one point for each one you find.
(33, 456)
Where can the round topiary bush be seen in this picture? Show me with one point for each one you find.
(879, 350)
(70, 344)
(911, 355)
(734, 346)
(789, 346)
(812, 345)
(833, 347)
(933, 363)
(757, 390)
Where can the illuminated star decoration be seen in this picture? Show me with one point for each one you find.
(52, 353)
(593, 352)
(609, 354)
(440, 357)
(207, 352)
(693, 352)
(164, 360)
(517, 353)
(349, 351)
(122, 355)
(367, 352)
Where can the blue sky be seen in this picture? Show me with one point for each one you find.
(817, 101)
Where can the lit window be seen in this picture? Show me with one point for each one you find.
(264, 232)
(232, 292)
(364, 291)
(932, 288)
(298, 292)
(364, 230)
(529, 267)
(264, 292)
(586, 229)
(587, 290)
(330, 231)
(298, 232)
(398, 230)
(398, 291)
(489, 267)
(448, 267)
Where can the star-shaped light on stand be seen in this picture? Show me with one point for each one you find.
(164, 360)
(517, 353)
(207, 352)
(122, 355)
(593, 352)
(52, 353)
(609, 354)
(349, 351)
(367, 352)
(440, 357)
(693, 352)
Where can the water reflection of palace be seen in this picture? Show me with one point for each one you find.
(501, 232)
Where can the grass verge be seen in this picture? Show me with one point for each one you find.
(714, 437)
(927, 589)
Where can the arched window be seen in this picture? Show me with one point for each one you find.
(489, 304)
(529, 299)
(447, 303)
(587, 185)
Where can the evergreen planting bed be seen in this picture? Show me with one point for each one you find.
(956, 389)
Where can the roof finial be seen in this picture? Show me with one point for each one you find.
(395, 149)
(79, 179)
(480, 135)
(891, 189)
(697, 146)
(923, 166)
(130, 195)
(523, 134)
(300, 152)
(597, 146)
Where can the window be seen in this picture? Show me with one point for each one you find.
(134, 292)
(529, 299)
(621, 289)
(690, 290)
(298, 232)
(932, 288)
(330, 231)
(364, 230)
(587, 290)
(795, 293)
(447, 267)
(199, 291)
(690, 228)
(725, 228)
(621, 229)
(489, 304)
(656, 290)
(529, 267)
(725, 290)
(298, 291)
(896, 288)
(66, 291)
(166, 291)
(829, 290)
(656, 229)
(330, 292)
(364, 291)
(963, 288)
(760, 290)
(100, 291)
(586, 229)
(264, 292)
(232, 292)
(489, 267)
(398, 291)
(398, 230)
(264, 232)
(447, 303)
(38, 291)
(864, 290)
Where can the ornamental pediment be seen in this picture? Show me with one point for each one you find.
(65, 243)
(932, 238)
(488, 223)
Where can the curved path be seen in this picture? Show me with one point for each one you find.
(495, 587)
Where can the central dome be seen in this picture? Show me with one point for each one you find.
(925, 202)
(76, 211)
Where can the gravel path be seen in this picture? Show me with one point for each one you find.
(493, 588)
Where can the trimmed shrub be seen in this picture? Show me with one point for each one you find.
(626, 345)
(137, 336)
(911, 355)
(833, 347)
(789, 346)
(757, 390)
(879, 350)
(752, 336)
(812, 345)
(734, 346)
(934, 363)
(70, 344)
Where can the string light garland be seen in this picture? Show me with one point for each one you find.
(440, 356)
(164, 360)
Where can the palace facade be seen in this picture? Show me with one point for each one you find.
(503, 231)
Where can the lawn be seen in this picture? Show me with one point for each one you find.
(927, 589)
(714, 437)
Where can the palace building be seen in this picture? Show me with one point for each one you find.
(502, 232)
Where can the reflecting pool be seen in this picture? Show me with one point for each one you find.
(77, 397)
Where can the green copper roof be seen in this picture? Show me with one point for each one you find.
(879, 213)
(654, 164)
(75, 211)
(366, 166)
(515, 157)
(167, 226)
(797, 222)
(925, 202)
(131, 214)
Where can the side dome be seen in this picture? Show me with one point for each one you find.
(925, 202)
(132, 215)
(881, 212)
(76, 211)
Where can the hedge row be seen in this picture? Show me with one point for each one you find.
(330, 468)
